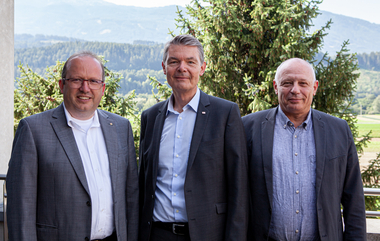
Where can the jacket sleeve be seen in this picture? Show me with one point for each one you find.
(353, 196)
(237, 177)
(132, 189)
(22, 186)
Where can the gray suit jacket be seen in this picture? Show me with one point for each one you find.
(216, 191)
(338, 179)
(48, 195)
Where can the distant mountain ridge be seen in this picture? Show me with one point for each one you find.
(97, 20)
(94, 20)
(362, 35)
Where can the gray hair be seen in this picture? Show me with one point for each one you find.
(186, 40)
(67, 65)
(279, 68)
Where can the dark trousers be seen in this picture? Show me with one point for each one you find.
(113, 237)
(159, 234)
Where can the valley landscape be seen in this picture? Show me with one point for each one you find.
(132, 38)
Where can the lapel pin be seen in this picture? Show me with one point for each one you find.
(111, 124)
(203, 112)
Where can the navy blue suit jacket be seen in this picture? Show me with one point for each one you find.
(216, 185)
(338, 179)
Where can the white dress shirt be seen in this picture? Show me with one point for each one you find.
(92, 148)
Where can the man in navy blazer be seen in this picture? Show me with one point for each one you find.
(73, 171)
(303, 166)
(193, 164)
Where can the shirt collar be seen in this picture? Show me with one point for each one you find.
(285, 120)
(71, 121)
(193, 104)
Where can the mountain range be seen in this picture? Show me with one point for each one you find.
(97, 20)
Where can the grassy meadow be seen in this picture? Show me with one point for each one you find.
(367, 123)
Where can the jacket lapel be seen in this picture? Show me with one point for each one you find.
(203, 113)
(66, 138)
(320, 148)
(157, 132)
(267, 135)
(110, 138)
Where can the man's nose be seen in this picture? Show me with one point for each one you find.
(182, 66)
(85, 86)
(296, 88)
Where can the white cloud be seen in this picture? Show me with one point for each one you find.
(105, 31)
(99, 21)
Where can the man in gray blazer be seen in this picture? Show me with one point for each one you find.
(193, 164)
(303, 166)
(73, 173)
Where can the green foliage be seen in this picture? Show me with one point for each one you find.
(372, 146)
(376, 105)
(371, 178)
(37, 93)
(135, 62)
(144, 101)
(137, 80)
(368, 89)
(163, 90)
(246, 40)
(337, 83)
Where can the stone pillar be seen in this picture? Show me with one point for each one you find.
(6, 92)
(6, 81)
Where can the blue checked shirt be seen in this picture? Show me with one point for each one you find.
(294, 213)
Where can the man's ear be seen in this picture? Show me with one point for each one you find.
(203, 68)
(275, 87)
(163, 67)
(315, 87)
(61, 85)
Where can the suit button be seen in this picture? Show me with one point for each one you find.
(87, 238)
(88, 203)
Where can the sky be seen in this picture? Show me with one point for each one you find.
(363, 9)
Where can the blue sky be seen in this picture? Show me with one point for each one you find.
(363, 9)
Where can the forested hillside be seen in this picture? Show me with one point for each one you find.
(368, 92)
(369, 61)
(140, 55)
(136, 61)
(120, 56)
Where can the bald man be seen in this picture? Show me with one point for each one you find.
(303, 166)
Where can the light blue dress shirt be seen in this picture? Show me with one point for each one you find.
(294, 211)
(175, 143)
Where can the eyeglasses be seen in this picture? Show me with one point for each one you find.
(92, 83)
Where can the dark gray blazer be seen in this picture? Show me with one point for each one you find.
(48, 195)
(216, 187)
(338, 179)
